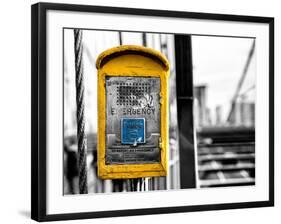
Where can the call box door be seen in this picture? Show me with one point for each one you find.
(132, 120)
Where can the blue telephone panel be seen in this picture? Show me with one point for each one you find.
(133, 131)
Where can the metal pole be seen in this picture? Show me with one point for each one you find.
(184, 80)
(120, 38)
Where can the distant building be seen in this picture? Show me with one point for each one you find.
(242, 114)
(202, 114)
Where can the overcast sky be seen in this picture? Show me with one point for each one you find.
(218, 62)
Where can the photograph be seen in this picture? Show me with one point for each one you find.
(142, 111)
(219, 132)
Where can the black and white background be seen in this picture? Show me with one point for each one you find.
(223, 112)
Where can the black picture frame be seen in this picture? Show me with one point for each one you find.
(39, 109)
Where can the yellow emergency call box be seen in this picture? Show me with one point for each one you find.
(133, 112)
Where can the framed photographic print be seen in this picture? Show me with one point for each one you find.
(138, 111)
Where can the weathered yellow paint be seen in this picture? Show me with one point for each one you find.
(135, 61)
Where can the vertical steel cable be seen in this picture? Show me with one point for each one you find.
(81, 137)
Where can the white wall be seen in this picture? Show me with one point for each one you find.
(15, 110)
